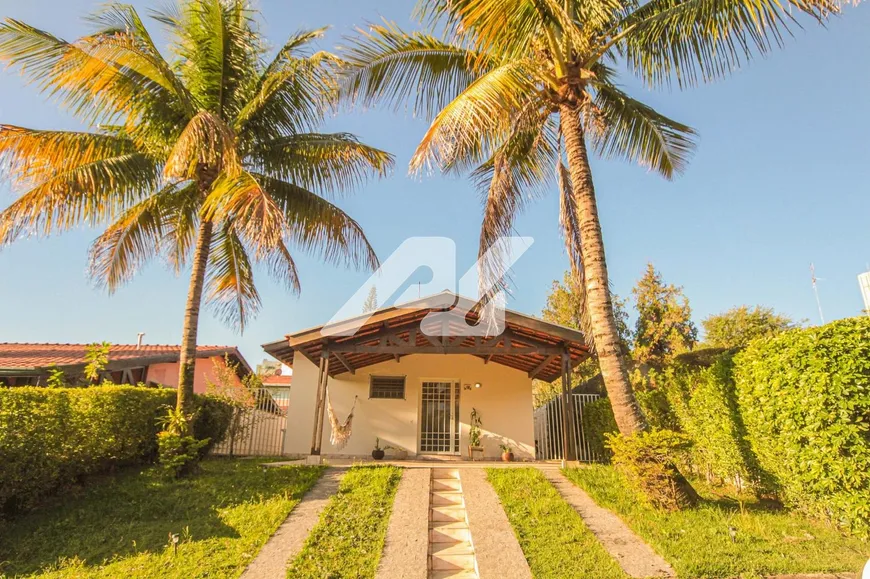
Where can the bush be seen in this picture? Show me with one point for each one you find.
(53, 437)
(804, 396)
(598, 422)
(211, 421)
(649, 461)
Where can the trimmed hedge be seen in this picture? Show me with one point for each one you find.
(53, 437)
(598, 422)
(804, 396)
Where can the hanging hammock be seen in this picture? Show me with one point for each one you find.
(340, 432)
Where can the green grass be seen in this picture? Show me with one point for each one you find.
(697, 541)
(556, 542)
(349, 538)
(119, 526)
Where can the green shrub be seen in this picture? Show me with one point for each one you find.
(598, 422)
(53, 437)
(705, 405)
(649, 460)
(804, 396)
(211, 421)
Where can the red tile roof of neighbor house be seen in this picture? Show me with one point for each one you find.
(20, 356)
(277, 380)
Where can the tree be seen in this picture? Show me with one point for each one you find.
(371, 303)
(209, 159)
(516, 79)
(664, 324)
(738, 326)
(564, 303)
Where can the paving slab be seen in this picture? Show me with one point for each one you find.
(635, 557)
(499, 555)
(287, 541)
(407, 542)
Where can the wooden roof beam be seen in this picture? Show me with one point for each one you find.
(540, 367)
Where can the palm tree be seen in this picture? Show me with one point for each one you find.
(516, 80)
(210, 159)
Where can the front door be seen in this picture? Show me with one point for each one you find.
(439, 418)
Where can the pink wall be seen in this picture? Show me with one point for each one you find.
(204, 372)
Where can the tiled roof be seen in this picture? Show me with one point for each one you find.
(26, 356)
(277, 380)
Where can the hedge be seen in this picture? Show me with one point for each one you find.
(53, 437)
(598, 422)
(804, 396)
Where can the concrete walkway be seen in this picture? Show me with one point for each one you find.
(406, 546)
(285, 544)
(635, 557)
(499, 555)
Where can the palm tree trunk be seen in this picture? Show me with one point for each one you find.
(187, 362)
(611, 358)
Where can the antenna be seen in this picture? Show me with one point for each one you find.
(816, 291)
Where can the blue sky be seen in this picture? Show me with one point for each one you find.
(779, 180)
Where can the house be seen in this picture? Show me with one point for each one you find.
(412, 376)
(29, 364)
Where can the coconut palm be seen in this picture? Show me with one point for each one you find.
(209, 159)
(517, 82)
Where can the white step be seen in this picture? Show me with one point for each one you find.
(445, 473)
(451, 513)
(451, 562)
(449, 532)
(445, 498)
(452, 574)
(449, 484)
(454, 548)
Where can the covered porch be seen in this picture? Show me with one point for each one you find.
(462, 371)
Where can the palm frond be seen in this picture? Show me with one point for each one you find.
(696, 41)
(386, 65)
(135, 238)
(319, 227)
(634, 131)
(472, 125)
(325, 163)
(205, 141)
(230, 289)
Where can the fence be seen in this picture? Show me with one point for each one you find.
(259, 430)
(548, 430)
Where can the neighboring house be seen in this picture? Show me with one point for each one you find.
(29, 364)
(416, 379)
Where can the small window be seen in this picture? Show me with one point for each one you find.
(392, 387)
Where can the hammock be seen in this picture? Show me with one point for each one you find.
(340, 432)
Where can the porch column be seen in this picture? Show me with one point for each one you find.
(569, 425)
(319, 403)
(322, 411)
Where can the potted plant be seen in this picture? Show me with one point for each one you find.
(378, 452)
(507, 454)
(474, 444)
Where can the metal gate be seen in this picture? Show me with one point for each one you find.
(548, 430)
(258, 427)
(439, 418)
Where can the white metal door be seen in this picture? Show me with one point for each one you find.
(439, 418)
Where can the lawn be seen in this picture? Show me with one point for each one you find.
(697, 542)
(119, 525)
(556, 542)
(349, 538)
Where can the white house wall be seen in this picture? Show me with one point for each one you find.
(504, 402)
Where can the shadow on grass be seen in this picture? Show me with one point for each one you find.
(133, 512)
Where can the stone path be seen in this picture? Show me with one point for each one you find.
(451, 552)
(406, 547)
(285, 544)
(499, 555)
(635, 557)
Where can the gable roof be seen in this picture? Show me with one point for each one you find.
(36, 357)
(527, 343)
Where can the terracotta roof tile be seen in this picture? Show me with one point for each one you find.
(25, 356)
(277, 380)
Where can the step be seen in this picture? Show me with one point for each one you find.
(447, 514)
(452, 574)
(449, 532)
(449, 484)
(454, 562)
(445, 473)
(445, 498)
(455, 548)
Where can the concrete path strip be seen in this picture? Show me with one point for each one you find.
(407, 542)
(635, 557)
(285, 544)
(498, 553)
